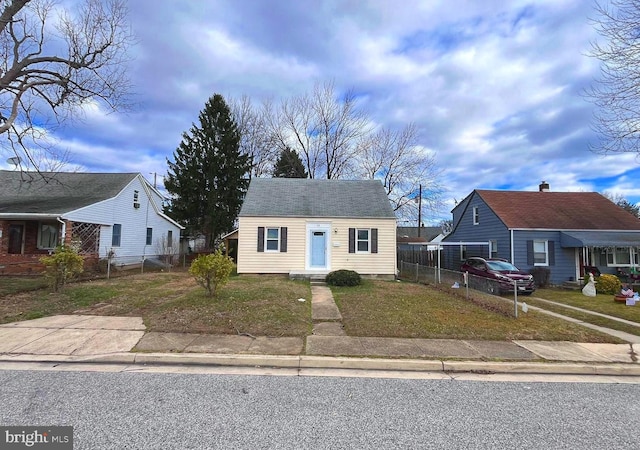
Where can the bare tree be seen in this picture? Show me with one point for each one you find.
(395, 158)
(255, 139)
(322, 128)
(616, 93)
(623, 203)
(54, 62)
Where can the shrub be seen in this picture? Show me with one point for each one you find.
(63, 265)
(608, 284)
(211, 271)
(343, 278)
(541, 276)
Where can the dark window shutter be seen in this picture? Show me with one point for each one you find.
(529, 253)
(374, 240)
(552, 253)
(283, 240)
(352, 240)
(261, 239)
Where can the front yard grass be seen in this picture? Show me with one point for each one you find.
(173, 302)
(601, 303)
(12, 285)
(269, 306)
(403, 309)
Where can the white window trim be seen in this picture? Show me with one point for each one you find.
(368, 240)
(148, 240)
(493, 248)
(267, 239)
(476, 216)
(632, 258)
(39, 242)
(463, 253)
(119, 244)
(546, 253)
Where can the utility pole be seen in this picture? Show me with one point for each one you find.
(419, 210)
(155, 180)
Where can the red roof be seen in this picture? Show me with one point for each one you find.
(558, 210)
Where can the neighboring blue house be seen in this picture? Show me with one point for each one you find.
(564, 231)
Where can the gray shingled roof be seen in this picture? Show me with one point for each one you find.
(296, 197)
(57, 193)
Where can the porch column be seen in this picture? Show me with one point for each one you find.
(68, 229)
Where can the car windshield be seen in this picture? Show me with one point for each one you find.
(501, 266)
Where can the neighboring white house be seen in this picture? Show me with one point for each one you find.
(99, 213)
(307, 227)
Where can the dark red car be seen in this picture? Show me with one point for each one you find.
(503, 272)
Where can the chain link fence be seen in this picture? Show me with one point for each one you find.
(464, 284)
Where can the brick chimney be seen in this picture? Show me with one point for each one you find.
(544, 187)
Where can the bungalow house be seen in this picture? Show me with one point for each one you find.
(563, 231)
(98, 213)
(305, 227)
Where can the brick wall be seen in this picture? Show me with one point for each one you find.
(27, 263)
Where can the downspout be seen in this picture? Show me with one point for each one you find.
(513, 256)
(64, 230)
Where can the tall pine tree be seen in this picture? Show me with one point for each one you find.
(208, 178)
(289, 165)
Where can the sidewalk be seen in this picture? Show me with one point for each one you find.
(83, 338)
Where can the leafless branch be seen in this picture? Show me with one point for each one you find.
(45, 75)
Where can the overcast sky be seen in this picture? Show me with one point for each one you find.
(494, 86)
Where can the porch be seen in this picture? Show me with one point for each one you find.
(23, 242)
(605, 252)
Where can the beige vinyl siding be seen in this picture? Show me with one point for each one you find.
(381, 263)
(252, 261)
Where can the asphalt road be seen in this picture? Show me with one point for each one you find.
(183, 411)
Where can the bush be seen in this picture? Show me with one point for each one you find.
(608, 284)
(343, 278)
(541, 276)
(63, 265)
(212, 271)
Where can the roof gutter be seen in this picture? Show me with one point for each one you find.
(27, 216)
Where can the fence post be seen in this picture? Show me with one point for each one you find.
(417, 267)
(465, 277)
(515, 297)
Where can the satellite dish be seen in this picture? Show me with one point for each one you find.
(14, 161)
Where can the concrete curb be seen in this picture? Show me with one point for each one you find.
(323, 362)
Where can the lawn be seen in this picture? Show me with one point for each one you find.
(256, 305)
(12, 285)
(269, 306)
(602, 303)
(402, 309)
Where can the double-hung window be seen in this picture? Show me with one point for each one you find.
(540, 253)
(362, 240)
(494, 248)
(149, 236)
(273, 240)
(116, 234)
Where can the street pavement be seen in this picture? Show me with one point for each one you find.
(109, 339)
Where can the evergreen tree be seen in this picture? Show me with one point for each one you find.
(289, 165)
(208, 178)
